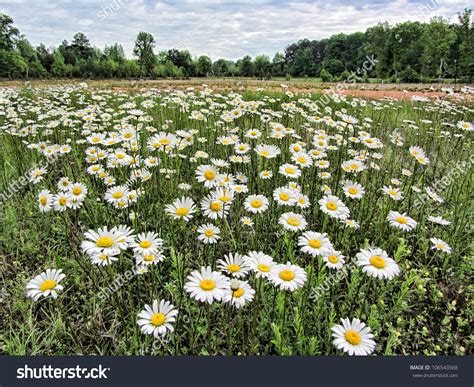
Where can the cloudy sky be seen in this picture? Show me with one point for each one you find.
(221, 28)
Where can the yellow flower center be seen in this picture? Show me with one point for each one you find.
(209, 175)
(63, 201)
(149, 258)
(293, 222)
(256, 203)
(165, 141)
(182, 211)
(233, 268)
(401, 220)
(263, 268)
(301, 160)
(333, 259)
(117, 195)
(354, 166)
(43, 200)
(158, 319)
(331, 206)
(238, 293)
(290, 170)
(352, 337)
(145, 244)
(378, 262)
(352, 190)
(440, 246)
(48, 285)
(314, 243)
(216, 206)
(207, 285)
(104, 241)
(285, 197)
(265, 153)
(287, 275)
(224, 198)
(77, 190)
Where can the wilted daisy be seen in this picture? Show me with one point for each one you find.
(256, 204)
(334, 207)
(288, 276)
(333, 259)
(147, 243)
(207, 285)
(45, 284)
(439, 220)
(181, 209)
(353, 337)
(234, 264)
(239, 294)
(314, 243)
(292, 221)
(401, 221)
(208, 233)
(157, 319)
(440, 245)
(376, 263)
(259, 263)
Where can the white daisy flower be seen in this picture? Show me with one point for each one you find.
(45, 284)
(207, 285)
(157, 319)
(401, 221)
(353, 337)
(440, 245)
(376, 263)
(314, 243)
(288, 276)
(234, 264)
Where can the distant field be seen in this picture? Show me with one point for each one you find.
(313, 85)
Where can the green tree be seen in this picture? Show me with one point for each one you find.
(143, 49)
(8, 33)
(204, 66)
(263, 67)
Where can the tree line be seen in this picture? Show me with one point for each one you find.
(406, 52)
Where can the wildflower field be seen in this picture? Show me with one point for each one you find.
(199, 222)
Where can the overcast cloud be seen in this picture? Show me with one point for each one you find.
(220, 29)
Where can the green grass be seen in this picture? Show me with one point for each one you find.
(426, 310)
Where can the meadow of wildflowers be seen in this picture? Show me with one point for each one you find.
(179, 222)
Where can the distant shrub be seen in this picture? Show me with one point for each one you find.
(326, 76)
(409, 75)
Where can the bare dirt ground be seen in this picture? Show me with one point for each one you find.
(363, 90)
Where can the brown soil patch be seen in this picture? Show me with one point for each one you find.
(380, 94)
